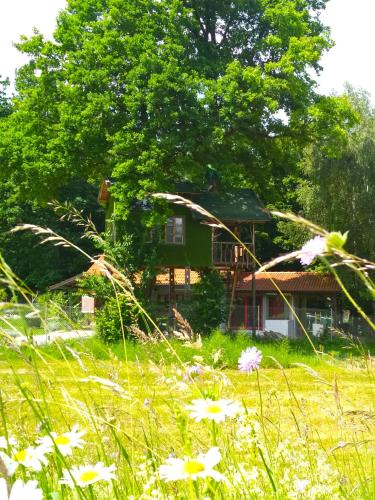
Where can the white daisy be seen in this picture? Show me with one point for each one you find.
(192, 468)
(5, 442)
(20, 490)
(65, 442)
(32, 458)
(84, 475)
(213, 410)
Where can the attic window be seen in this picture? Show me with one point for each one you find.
(174, 231)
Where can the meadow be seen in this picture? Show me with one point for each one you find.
(304, 430)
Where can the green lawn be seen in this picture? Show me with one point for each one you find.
(219, 349)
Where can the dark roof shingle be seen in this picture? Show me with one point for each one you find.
(237, 205)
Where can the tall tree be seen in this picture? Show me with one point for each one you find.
(5, 102)
(150, 91)
(39, 266)
(339, 192)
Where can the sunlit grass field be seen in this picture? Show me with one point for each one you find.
(134, 409)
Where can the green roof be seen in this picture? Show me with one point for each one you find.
(237, 205)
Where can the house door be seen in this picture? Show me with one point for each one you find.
(257, 317)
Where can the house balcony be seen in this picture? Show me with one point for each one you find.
(231, 254)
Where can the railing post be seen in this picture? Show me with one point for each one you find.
(228, 254)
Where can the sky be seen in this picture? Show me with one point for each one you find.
(351, 22)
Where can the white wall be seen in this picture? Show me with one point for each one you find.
(283, 326)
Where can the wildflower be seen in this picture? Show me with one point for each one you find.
(213, 410)
(242, 478)
(301, 484)
(247, 432)
(192, 468)
(5, 442)
(32, 458)
(20, 490)
(314, 247)
(84, 475)
(193, 371)
(64, 442)
(249, 360)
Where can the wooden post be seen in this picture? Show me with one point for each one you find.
(234, 284)
(172, 294)
(335, 315)
(187, 282)
(246, 311)
(254, 292)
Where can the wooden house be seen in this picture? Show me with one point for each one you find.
(188, 241)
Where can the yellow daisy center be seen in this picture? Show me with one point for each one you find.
(20, 456)
(214, 409)
(62, 440)
(88, 476)
(193, 467)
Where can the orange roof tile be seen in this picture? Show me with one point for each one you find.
(96, 268)
(290, 282)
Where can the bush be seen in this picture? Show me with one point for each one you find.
(208, 305)
(115, 319)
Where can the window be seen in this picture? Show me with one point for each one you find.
(152, 235)
(276, 307)
(174, 231)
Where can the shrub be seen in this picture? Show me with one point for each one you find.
(98, 286)
(208, 306)
(115, 319)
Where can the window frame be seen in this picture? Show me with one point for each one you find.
(178, 243)
(281, 302)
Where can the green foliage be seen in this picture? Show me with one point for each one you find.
(99, 286)
(336, 240)
(5, 103)
(42, 265)
(127, 89)
(339, 192)
(207, 309)
(3, 294)
(287, 352)
(114, 320)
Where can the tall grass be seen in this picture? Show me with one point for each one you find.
(176, 419)
(221, 349)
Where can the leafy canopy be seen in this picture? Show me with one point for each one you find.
(151, 91)
(339, 192)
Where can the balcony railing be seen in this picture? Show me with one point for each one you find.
(231, 254)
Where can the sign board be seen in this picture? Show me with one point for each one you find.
(87, 304)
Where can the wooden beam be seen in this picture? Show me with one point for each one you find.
(172, 293)
(234, 284)
(254, 292)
